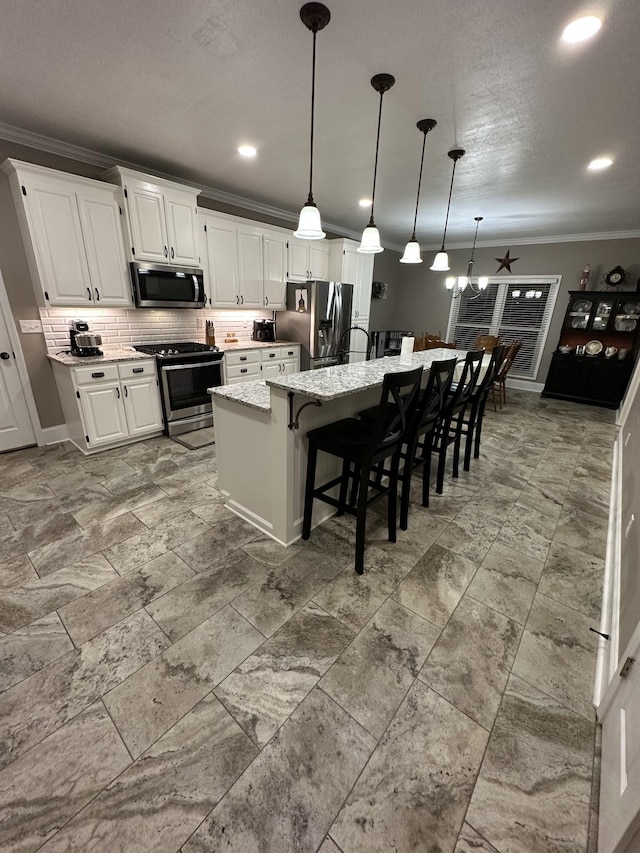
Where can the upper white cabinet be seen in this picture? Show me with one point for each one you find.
(348, 265)
(308, 260)
(245, 264)
(161, 218)
(72, 234)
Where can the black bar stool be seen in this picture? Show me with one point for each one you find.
(472, 423)
(419, 441)
(363, 445)
(449, 429)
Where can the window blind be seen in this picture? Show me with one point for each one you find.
(520, 308)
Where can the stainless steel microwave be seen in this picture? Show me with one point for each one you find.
(167, 287)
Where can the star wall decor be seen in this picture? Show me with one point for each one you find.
(505, 263)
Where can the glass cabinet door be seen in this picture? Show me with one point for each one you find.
(579, 312)
(603, 312)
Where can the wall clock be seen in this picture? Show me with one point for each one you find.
(615, 277)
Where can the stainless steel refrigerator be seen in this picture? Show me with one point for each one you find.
(318, 316)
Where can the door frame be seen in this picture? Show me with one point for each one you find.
(5, 310)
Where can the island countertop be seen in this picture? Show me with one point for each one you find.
(331, 383)
(255, 394)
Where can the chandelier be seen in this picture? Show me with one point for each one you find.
(457, 285)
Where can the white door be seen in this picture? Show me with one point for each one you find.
(148, 223)
(58, 243)
(620, 780)
(15, 424)
(270, 370)
(142, 405)
(274, 250)
(298, 260)
(319, 262)
(290, 366)
(361, 307)
(222, 263)
(350, 261)
(250, 268)
(102, 231)
(103, 412)
(180, 210)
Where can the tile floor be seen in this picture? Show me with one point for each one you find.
(172, 681)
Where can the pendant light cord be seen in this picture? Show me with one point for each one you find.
(446, 221)
(473, 250)
(375, 165)
(415, 218)
(313, 105)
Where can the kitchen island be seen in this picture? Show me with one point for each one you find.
(261, 432)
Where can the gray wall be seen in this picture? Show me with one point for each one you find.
(419, 301)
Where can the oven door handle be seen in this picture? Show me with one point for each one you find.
(190, 364)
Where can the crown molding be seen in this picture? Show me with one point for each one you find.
(28, 138)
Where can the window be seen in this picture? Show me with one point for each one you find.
(520, 308)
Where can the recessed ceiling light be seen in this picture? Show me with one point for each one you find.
(600, 163)
(581, 29)
(247, 150)
(365, 202)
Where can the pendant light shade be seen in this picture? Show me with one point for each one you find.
(441, 260)
(315, 16)
(458, 285)
(412, 249)
(370, 243)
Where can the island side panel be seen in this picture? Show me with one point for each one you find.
(245, 461)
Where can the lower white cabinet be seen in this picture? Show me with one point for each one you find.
(260, 363)
(111, 403)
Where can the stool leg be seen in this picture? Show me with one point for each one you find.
(354, 485)
(312, 455)
(442, 456)
(478, 432)
(393, 497)
(361, 519)
(405, 478)
(456, 443)
(344, 485)
(426, 469)
(471, 426)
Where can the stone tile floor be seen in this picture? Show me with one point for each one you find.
(172, 681)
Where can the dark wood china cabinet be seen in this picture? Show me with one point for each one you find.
(597, 349)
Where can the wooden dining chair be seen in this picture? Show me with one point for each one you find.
(487, 342)
(500, 381)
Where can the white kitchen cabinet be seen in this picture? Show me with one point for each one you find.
(308, 260)
(271, 370)
(274, 250)
(107, 404)
(221, 266)
(260, 363)
(161, 218)
(250, 275)
(348, 265)
(73, 236)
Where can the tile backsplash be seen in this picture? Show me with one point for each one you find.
(124, 326)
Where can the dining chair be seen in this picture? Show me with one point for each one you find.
(473, 415)
(500, 380)
(487, 342)
(363, 446)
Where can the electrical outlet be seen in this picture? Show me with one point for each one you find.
(30, 327)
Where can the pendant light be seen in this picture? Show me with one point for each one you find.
(315, 16)
(370, 243)
(412, 249)
(441, 260)
(456, 286)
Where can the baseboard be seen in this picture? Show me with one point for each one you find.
(526, 385)
(53, 435)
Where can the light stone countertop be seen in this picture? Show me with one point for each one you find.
(330, 383)
(111, 354)
(254, 394)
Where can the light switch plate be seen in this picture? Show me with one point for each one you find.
(30, 327)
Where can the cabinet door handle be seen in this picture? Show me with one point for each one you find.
(138, 369)
(266, 301)
(97, 294)
(118, 392)
(272, 355)
(237, 299)
(243, 370)
(243, 358)
(97, 374)
(173, 254)
(126, 391)
(89, 296)
(166, 251)
(241, 299)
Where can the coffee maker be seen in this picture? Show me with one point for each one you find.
(263, 330)
(83, 344)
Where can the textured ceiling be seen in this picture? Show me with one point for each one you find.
(177, 86)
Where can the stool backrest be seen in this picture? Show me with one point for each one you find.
(468, 380)
(487, 342)
(498, 355)
(397, 407)
(435, 395)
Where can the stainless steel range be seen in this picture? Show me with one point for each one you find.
(186, 369)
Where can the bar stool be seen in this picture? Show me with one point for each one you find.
(419, 441)
(362, 446)
(472, 423)
(450, 426)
